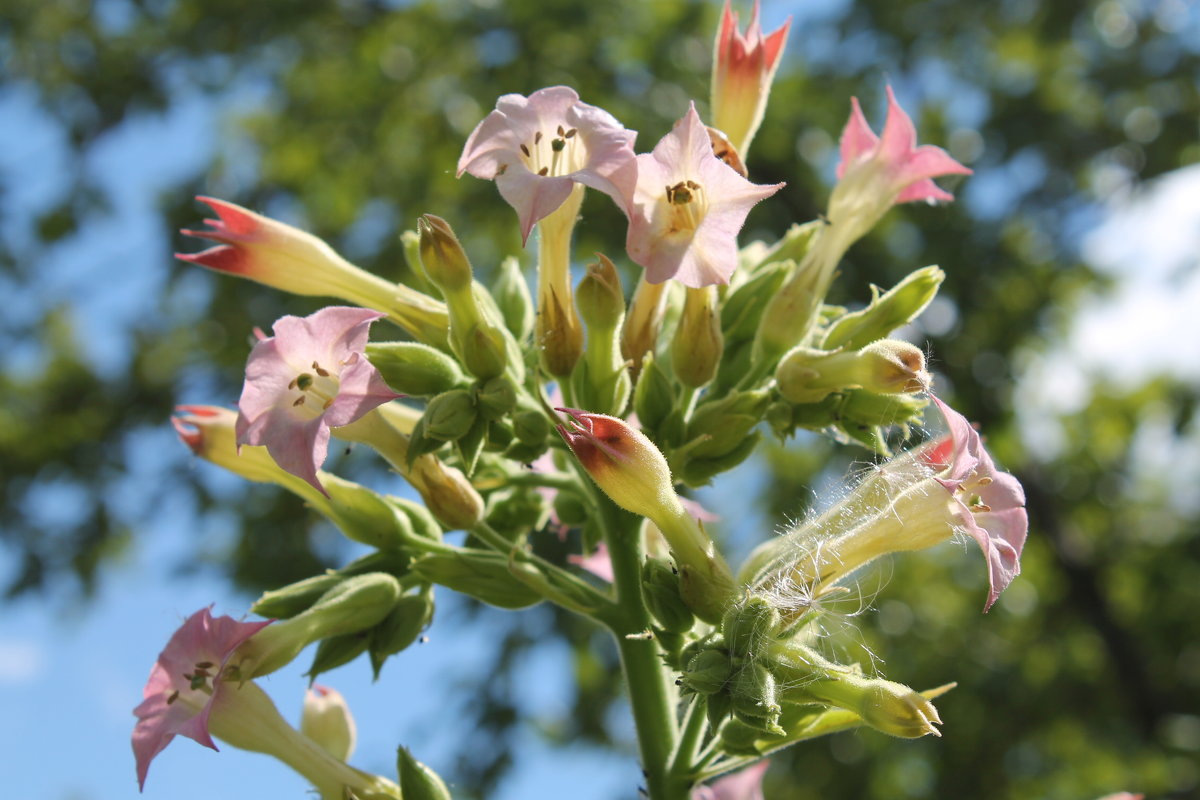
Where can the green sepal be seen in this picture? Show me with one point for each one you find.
(698, 472)
(744, 306)
(417, 781)
(660, 586)
(512, 297)
(336, 651)
(470, 445)
(886, 312)
(400, 628)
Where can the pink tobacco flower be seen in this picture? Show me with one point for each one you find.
(309, 377)
(988, 503)
(192, 679)
(688, 209)
(537, 148)
(743, 785)
(743, 67)
(891, 166)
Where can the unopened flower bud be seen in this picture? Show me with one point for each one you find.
(415, 369)
(708, 672)
(447, 493)
(400, 628)
(717, 428)
(442, 255)
(482, 574)
(530, 427)
(627, 466)
(886, 312)
(893, 367)
(496, 397)
(697, 347)
(743, 308)
(482, 350)
(599, 297)
(886, 706)
(755, 694)
(660, 585)
(417, 781)
(354, 604)
(291, 600)
(749, 623)
(639, 334)
(513, 299)
(449, 415)
(654, 396)
(327, 721)
(858, 407)
(559, 334)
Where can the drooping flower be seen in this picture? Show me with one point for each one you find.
(877, 171)
(745, 784)
(688, 208)
(192, 677)
(914, 501)
(988, 503)
(743, 67)
(309, 377)
(537, 148)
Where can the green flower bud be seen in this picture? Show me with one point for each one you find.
(743, 308)
(513, 299)
(445, 262)
(560, 336)
(599, 298)
(531, 427)
(754, 694)
(570, 509)
(748, 624)
(885, 313)
(449, 415)
(708, 672)
(482, 574)
(794, 244)
(496, 397)
(639, 334)
(326, 720)
(654, 397)
(717, 428)
(423, 522)
(417, 781)
(660, 585)
(447, 493)
(719, 710)
(364, 516)
(415, 369)
(400, 628)
(886, 706)
(892, 367)
(291, 600)
(410, 241)
(697, 347)
(353, 605)
(700, 471)
(482, 350)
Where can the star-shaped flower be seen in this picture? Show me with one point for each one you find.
(309, 377)
(688, 209)
(192, 677)
(537, 148)
(891, 165)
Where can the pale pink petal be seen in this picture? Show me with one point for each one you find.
(599, 153)
(162, 715)
(362, 389)
(956, 455)
(899, 135)
(702, 252)
(857, 138)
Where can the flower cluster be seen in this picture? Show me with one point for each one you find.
(664, 387)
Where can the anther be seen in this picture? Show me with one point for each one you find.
(323, 373)
(537, 137)
(544, 171)
(299, 400)
(525, 150)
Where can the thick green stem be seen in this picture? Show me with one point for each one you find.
(651, 689)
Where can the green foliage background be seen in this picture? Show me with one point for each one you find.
(1085, 680)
